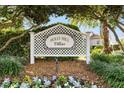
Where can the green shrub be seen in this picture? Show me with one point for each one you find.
(108, 58)
(96, 49)
(110, 67)
(98, 67)
(112, 73)
(9, 66)
(116, 47)
(22, 60)
(100, 57)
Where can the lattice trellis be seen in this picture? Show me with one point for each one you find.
(39, 48)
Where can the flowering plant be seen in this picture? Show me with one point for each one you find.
(61, 81)
(6, 83)
(47, 82)
(15, 84)
(36, 82)
(26, 82)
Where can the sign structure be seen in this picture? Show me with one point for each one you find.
(59, 40)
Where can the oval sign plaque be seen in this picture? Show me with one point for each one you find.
(59, 41)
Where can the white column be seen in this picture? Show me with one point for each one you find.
(32, 59)
(88, 50)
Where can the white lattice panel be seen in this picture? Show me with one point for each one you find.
(79, 47)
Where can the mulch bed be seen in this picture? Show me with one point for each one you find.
(78, 69)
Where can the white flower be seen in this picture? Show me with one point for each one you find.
(94, 86)
(45, 78)
(25, 85)
(35, 79)
(71, 79)
(47, 83)
(67, 85)
(54, 78)
(39, 80)
(58, 86)
(77, 84)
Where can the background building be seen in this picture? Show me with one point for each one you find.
(95, 39)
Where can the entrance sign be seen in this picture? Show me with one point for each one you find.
(59, 40)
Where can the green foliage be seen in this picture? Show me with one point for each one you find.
(61, 80)
(18, 47)
(86, 21)
(6, 83)
(37, 83)
(15, 83)
(112, 73)
(108, 58)
(46, 27)
(40, 14)
(116, 47)
(27, 79)
(10, 66)
(110, 67)
(96, 49)
(88, 18)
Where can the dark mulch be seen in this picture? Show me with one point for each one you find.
(78, 69)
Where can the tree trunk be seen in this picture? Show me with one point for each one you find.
(105, 37)
(116, 37)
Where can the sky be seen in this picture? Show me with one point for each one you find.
(96, 30)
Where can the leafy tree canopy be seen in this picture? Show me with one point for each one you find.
(88, 15)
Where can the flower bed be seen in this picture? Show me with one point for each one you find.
(44, 82)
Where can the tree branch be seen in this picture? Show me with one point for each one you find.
(116, 37)
(12, 39)
(120, 27)
(121, 23)
(17, 37)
